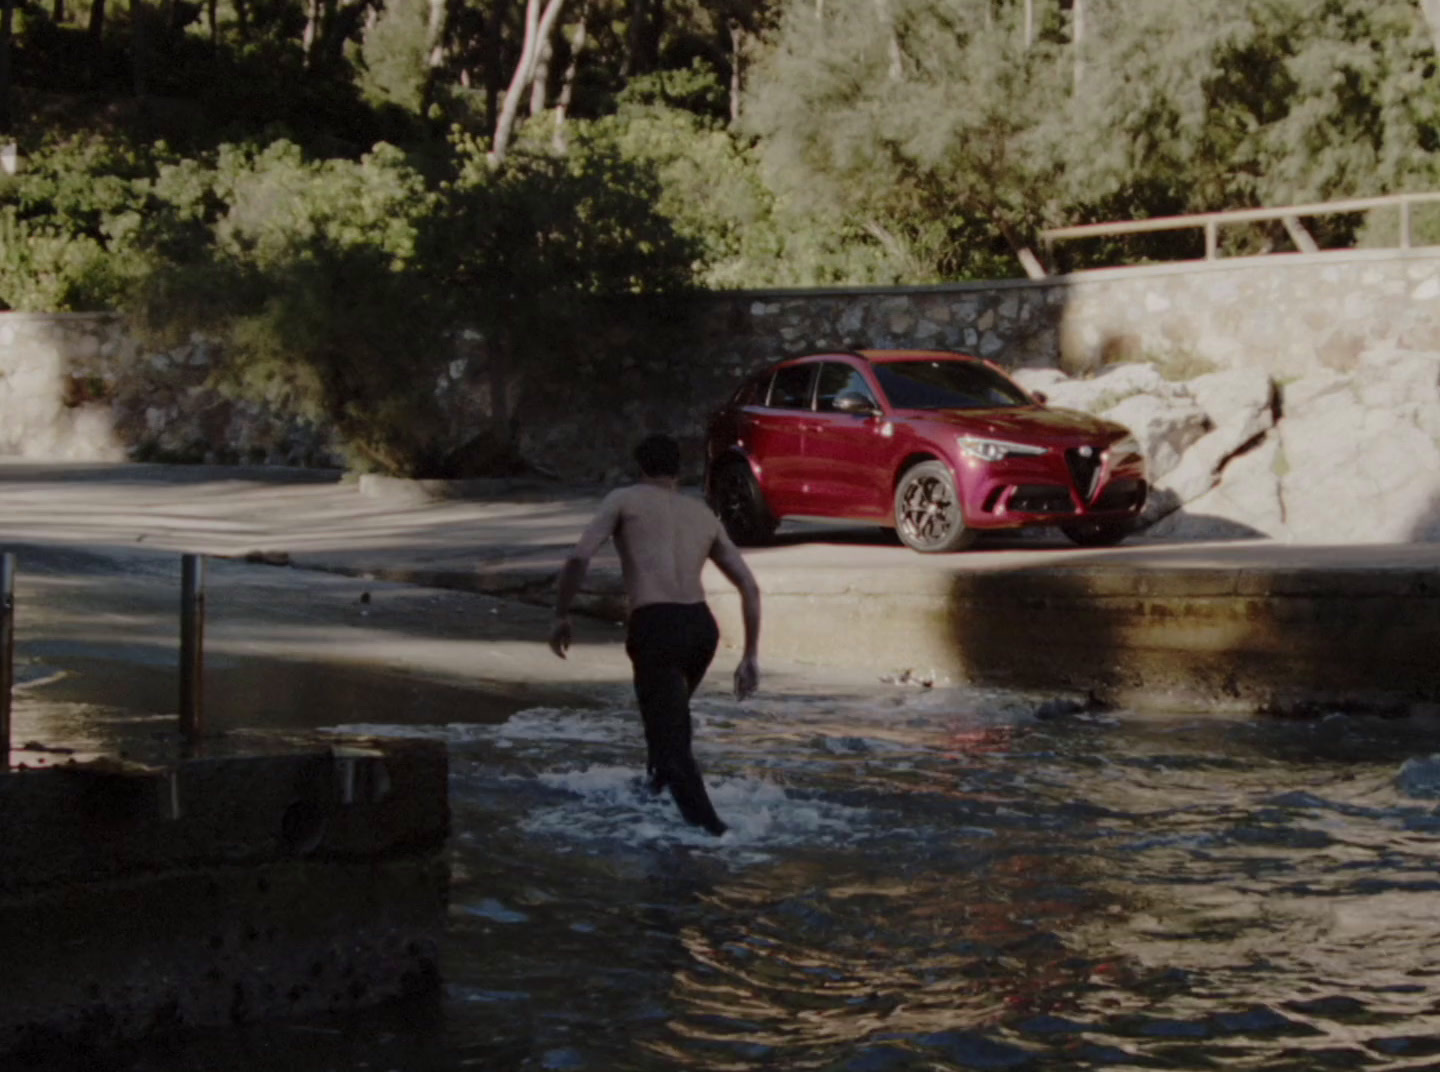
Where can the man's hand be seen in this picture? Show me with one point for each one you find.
(747, 677)
(560, 637)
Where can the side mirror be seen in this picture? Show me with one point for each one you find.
(1039, 396)
(856, 404)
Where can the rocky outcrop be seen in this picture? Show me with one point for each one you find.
(1331, 457)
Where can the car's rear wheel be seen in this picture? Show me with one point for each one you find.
(738, 502)
(1098, 533)
(928, 516)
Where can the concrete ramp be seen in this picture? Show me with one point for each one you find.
(136, 899)
(1258, 627)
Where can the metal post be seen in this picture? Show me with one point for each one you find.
(7, 652)
(1212, 239)
(1405, 237)
(192, 645)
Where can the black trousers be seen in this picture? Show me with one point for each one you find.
(670, 647)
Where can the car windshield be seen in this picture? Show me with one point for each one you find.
(937, 384)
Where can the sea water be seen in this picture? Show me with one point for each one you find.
(918, 879)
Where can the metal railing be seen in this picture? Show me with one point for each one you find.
(192, 650)
(1211, 222)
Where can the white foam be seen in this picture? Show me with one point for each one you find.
(611, 803)
(563, 724)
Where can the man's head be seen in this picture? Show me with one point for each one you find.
(658, 456)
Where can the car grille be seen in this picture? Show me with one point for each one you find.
(1041, 499)
(1084, 463)
(1124, 495)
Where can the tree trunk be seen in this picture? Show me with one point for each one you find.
(1077, 42)
(642, 37)
(435, 29)
(737, 58)
(7, 22)
(138, 57)
(312, 31)
(1029, 24)
(540, 81)
(97, 38)
(567, 84)
(57, 12)
(538, 27)
(333, 27)
(493, 30)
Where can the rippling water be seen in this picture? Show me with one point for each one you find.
(922, 880)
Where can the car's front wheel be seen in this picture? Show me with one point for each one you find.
(928, 516)
(738, 502)
(1098, 533)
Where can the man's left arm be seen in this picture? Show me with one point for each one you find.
(727, 556)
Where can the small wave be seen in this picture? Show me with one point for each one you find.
(613, 803)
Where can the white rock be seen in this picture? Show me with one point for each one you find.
(1240, 397)
(1038, 379)
(1245, 504)
(1166, 427)
(1356, 475)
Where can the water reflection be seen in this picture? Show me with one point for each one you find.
(921, 880)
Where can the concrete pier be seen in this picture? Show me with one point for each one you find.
(1255, 625)
(139, 898)
(1242, 628)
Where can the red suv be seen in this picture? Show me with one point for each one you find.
(937, 445)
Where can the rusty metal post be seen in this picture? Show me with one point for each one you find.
(7, 652)
(192, 645)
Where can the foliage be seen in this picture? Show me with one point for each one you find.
(306, 269)
(340, 287)
(711, 189)
(940, 129)
(913, 119)
(62, 225)
(279, 174)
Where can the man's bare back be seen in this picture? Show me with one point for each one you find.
(664, 539)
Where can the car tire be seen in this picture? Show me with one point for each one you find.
(1098, 533)
(740, 505)
(928, 516)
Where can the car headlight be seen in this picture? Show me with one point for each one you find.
(1122, 447)
(994, 450)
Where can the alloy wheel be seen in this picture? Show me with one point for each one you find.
(927, 510)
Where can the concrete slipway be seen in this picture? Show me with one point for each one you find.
(1249, 625)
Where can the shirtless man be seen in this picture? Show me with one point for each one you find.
(664, 539)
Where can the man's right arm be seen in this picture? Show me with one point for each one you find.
(727, 557)
(601, 528)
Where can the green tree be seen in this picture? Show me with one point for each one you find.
(916, 120)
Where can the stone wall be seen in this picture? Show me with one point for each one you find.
(78, 387)
(1346, 342)
(1285, 315)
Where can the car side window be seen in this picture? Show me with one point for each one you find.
(837, 379)
(791, 387)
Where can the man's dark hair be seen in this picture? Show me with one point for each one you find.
(658, 455)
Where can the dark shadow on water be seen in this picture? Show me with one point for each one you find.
(97, 653)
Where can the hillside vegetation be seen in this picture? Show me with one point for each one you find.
(338, 186)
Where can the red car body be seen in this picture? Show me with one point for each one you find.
(938, 445)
